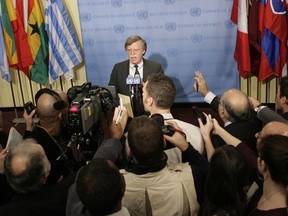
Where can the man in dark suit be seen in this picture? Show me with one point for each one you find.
(136, 48)
(234, 109)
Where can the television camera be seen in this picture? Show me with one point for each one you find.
(86, 104)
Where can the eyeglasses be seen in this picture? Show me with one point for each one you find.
(133, 50)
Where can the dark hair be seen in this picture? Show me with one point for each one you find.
(273, 149)
(224, 191)
(162, 89)
(284, 87)
(145, 139)
(37, 167)
(235, 113)
(100, 186)
(134, 38)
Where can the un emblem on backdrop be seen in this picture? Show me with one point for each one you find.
(195, 12)
(116, 3)
(85, 17)
(197, 64)
(119, 29)
(172, 52)
(142, 15)
(121, 54)
(169, 2)
(88, 42)
(228, 24)
(171, 26)
(196, 38)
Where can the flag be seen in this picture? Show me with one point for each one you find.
(64, 48)
(4, 68)
(273, 28)
(25, 58)
(9, 39)
(242, 53)
(38, 42)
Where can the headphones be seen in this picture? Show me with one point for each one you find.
(58, 105)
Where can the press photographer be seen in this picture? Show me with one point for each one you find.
(51, 132)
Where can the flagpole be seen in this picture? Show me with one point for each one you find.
(20, 82)
(267, 93)
(249, 86)
(31, 90)
(16, 120)
(61, 83)
(258, 90)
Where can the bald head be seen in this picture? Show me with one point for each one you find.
(272, 128)
(236, 104)
(275, 128)
(45, 106)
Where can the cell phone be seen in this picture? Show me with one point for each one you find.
(29, 107)
(199, 114)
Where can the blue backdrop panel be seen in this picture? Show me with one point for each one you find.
(182, 35)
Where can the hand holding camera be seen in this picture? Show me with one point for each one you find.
(30, 111)
(178, 139)
(173, 134)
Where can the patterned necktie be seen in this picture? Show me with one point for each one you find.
(136, 70)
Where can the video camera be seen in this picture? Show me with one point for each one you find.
(86, 104)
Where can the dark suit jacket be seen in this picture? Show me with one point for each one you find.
(121, 71)
(244, 130)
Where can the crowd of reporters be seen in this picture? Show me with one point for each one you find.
(235, 163)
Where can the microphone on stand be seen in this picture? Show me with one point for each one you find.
(137, 83)
(137, 101)
(130, 83)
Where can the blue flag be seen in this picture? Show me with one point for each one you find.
(4, 68)
(64, 49)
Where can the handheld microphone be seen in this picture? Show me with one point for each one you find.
(130, 82)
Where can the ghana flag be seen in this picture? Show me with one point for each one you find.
(38, 41)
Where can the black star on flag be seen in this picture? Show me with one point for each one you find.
(35, 28)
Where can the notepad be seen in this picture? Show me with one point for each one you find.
(14, 137)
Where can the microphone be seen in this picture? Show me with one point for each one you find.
(130, 82)
(137, 83)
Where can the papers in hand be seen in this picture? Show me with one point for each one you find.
(14, 137)
(126, 102)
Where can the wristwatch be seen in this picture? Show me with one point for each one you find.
(258, 108)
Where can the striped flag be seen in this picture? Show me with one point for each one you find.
(64, 49)
(242, 52)
(4, 68)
